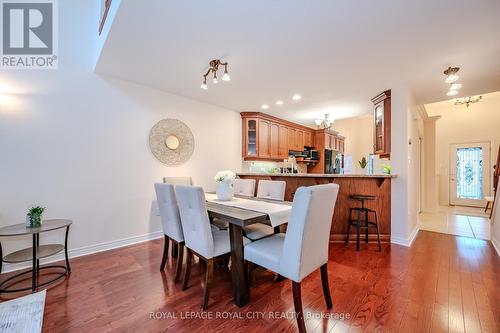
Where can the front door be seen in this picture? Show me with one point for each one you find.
(469, 173)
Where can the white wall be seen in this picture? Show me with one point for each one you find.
(406, 126)
(77, 143)
(495, 227)
(458, 124)
(359, 137)
(430, 180)
(359, 140)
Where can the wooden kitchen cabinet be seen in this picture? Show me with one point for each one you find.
(250, 138)
(274, 140)
(292, 134)
(283, 142)
(270, 138)
(382, 124)
(299, 140)
(264, 139)
(308, 139)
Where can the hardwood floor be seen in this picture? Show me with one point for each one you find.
(442, 283)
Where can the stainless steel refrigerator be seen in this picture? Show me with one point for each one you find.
(334, 161)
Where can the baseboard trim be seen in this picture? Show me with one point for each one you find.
(406, 241)
(496, 245)
(87, 250)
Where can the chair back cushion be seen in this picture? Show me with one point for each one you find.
(169, 212)
(308, 233)
(178, 180)
(194, 219)
(271, 189)
(244, 187)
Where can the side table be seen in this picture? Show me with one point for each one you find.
(34, 254)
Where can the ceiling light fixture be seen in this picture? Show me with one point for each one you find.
(214, 67)
(325, 123)
(296, 97)
(455, 86)
(452, 93)
(451, 74)
(279, 102)
(468, 100)
(264, 106)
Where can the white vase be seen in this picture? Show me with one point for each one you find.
(225, 191)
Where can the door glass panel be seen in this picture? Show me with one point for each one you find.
(470, 173)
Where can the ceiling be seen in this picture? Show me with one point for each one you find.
(336, 54)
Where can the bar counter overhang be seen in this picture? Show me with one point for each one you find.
(378, 185)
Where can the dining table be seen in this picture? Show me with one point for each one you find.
(238, 215)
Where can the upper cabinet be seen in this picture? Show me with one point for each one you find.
(269, 138)
(250, 137)
(382, 124)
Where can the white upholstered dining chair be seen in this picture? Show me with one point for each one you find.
(171, 224)
(207, 244)
(243, 187)
(267, 189)
(304, 248)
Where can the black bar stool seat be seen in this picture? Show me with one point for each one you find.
(358, 223)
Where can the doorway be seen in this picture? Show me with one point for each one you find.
(469, 174)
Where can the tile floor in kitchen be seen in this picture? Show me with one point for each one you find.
(455, 220)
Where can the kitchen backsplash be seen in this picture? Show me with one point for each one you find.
(269, 167)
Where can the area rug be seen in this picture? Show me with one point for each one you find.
(23, 314)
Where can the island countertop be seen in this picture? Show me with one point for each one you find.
(378, 185)
(319, 175)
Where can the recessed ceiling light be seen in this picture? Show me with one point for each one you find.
(455, 86)
(264, 106)
(452, 93)
(296, 97)
(279, 102)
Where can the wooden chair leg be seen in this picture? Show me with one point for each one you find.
(348, 227)
(326, 287)
(358, 230)
(165, 252)
(187, 272)
(178, 267)
(209, 277)
(366, 224)
(297, 302)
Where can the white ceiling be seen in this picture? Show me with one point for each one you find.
(336, 54)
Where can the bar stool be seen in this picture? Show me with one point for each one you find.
(358, 222)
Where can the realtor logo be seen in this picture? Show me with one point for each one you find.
(29, 34)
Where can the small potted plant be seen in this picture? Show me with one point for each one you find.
(34, 217)
(224, 180)
(386, 168)
(363, 163)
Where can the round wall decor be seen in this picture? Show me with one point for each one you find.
(171, 142)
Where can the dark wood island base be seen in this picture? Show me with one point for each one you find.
(377, 185)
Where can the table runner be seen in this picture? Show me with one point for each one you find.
(278, 213)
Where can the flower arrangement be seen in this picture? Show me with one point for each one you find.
(225, 180)
(225, 176)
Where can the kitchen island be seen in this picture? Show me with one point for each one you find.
(378, 185)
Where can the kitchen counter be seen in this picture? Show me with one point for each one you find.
(378, 185)
(320, 175)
